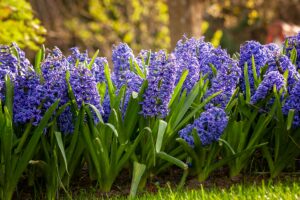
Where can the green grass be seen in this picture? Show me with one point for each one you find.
(282, 190)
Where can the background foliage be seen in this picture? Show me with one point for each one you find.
(18, 24)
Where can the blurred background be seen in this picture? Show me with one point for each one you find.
(144, 24)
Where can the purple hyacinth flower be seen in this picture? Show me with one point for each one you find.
(293, 102)
(282, 63)
(28, 98)
(293, 42)
(161, 83)
(209, 126)
(266, 86)
(261, 55)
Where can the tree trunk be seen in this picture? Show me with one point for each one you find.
(185, 18)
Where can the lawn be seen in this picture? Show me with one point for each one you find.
(284, 189)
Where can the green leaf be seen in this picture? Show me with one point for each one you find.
(61, 148)
(91, 147)
(232, 101)
(136, 68)
(160, 135)
(189, 150)
(96, 111)
(38, 59)
(172, 159)
(112, 127)
(293, 56)
(290, 119)
(228, 145)
(138, 171)
(197, 109)
(213, 69)
(111, 88)
(120, 98)
(181, 111)
(9, 93)
(93, 60)
(263, 71)
(70, 92)
(132, 148)
(101, 90)
(256, 81)
(7, 140)
(178, 87)
(247, 83)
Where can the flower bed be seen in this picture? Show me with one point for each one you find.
(196, 108)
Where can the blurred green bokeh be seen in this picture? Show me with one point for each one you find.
(17, 24)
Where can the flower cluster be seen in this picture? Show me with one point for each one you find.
(35, 93)
(294, 42)
(282, 63)
(28, 99)
(209, 126)
(199, 57)
(186, 56)
(293, 102)
(121, 56)
(161, 83)
(122, 75)
(261, 55)
(266, 86)
(12, 63)
(227, 76)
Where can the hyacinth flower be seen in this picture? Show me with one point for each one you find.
(186, 57)
(199, 140)
(127, 72)
(53, 71)
(256, 57)
(225, 78)
(292, 46)
(209, 126)
(282, 64)
(28, 99)
(271, 79)
(293, 103)
(189, 55)
(121, 56)
(84, 87)
(97, 67)
(161, 82)
(12, 63)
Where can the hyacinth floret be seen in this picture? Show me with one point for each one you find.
(161, 83)
(293, 42)
(271, 79)
(217, 57)
(12, 63)
(293, 102)
(282, 63)
(226, 80)
(54, 69)
(84, 87)
(261, 55)
(209, 126)
(28, 98)
(133, 83)
(186, 56)
(97, 68)
(121, 56)
(191, 55)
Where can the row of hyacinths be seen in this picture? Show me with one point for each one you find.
(36, 90)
